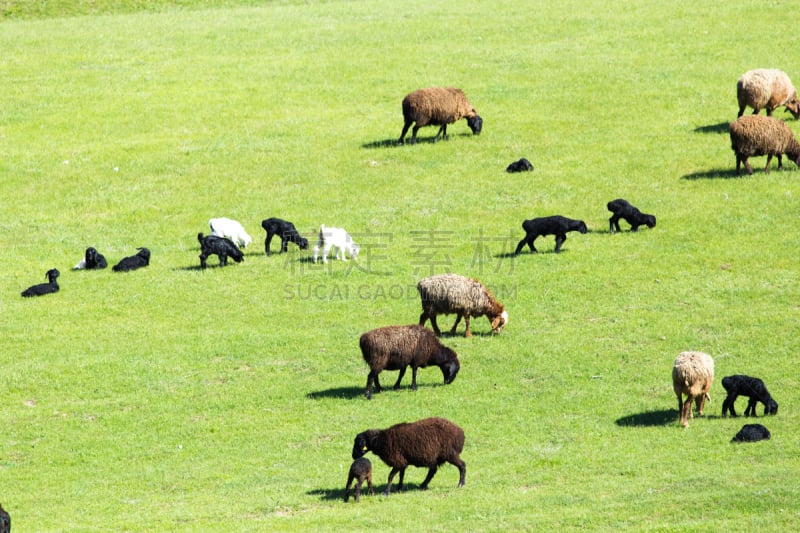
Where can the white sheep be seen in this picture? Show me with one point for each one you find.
(450, 293)
(225, 227)
(692, 375)
(335, 238)
(767, 88)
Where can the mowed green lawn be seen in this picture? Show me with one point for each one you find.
(176, 399)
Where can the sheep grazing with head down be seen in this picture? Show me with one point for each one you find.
(44, 288)
(623, 209)
(767, 88)
(754, 389)
(552, 225)
(232, 229)
(360, 471)
(445, 294)
(398, 347)
(335, 238)
(429, 443)
(141, 259)
(285, 230)
(751, 433)
(222, 247)
(437, 106)
(756, 135)
(692, 375)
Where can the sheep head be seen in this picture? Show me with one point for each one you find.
(363, 443)
(499, 322)
(475, 123)
(793, 107)
(449, 370)
(771, 408)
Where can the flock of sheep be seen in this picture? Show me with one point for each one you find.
(434, 441)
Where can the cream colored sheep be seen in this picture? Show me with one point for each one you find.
(450, 293)
(767, 88)
(692, 375)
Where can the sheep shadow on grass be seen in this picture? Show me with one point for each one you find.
(338, 493)
(346, 393)
(721, 127)
(715, 174)
(662, 417)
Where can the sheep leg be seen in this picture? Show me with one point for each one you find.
(458, 319)
(414, 134)
(372, 378)
(357, 495)
(519, 246)
(267, 242)
(769, 160)
(223, 259)
(405, 130)
(532, 238)
(400, 482)
(686, 411)
(727, 405)
(612, 222)
(413, 378)
(462, 470)
(700, 402)
(560, 238)
(369, 482)
(347, 488)
(284, 244)
(400, 378)
(394, 471)
(442, 131)
(467, 333)
(780, 161)
(431, 472)
(425, 316)
(751, 407)
(203, 258)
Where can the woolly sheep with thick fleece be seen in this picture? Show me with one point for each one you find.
(437, 106)
(232, 229)
(692, 375)
(766, 88)
(445, 294)
(756, 135)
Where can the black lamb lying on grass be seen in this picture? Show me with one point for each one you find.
(622, 209)
(285, 230)
(44, 288)
(222, 247)
(92, 260)
(523, 165)
(360, 471)
(754, 389)
(141, 259)
(751, 433)
(553, 225)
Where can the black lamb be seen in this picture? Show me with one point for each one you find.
(360, 471)
(287, 232)
(141, 259)
(5, 521)
(92, 260)
(523, 165)
(622, 209)
(44, 288)
(553, 225)
(429, 443)
(222, 247)
(751, 433)
(754, 389)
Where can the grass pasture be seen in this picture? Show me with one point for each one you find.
(175, 399)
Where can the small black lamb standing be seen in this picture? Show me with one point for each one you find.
(222, 247)
(287, 232)
(44, 288)
(360, 470)
(429, 443)
(552, 225)
(754, 389)
(398, 347)
(141, 259)
(5, 521)
(523, 165)
(622, 209)
(751, 433)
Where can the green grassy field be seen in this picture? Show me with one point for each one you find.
(175, 399)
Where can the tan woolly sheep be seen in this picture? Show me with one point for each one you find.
(450, 293)
(767, 88)
(437, 106)
(692, 375)
(756, 135)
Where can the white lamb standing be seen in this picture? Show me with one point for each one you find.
(335, 238)
(225, 227)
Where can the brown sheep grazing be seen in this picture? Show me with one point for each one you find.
(437, 106)
(398, 347)
(360, 471)
(429, 443)
(445, 294)
(692, 375)
(756, 135)
(767, 88)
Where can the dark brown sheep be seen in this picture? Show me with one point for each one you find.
(429, 443)
(437, 106)
(398, 347)
(757, 135)
(360, 471)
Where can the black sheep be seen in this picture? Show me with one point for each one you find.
(398, 347)
(141, 259)
(751, 433)
(622, 209)
(754, 389)
(553, 225)
(44, 288)
(222, 247)
(92, 260)
(429, 443)
(5, 521)
(523, 165)
(287, 232)
(360, 470)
